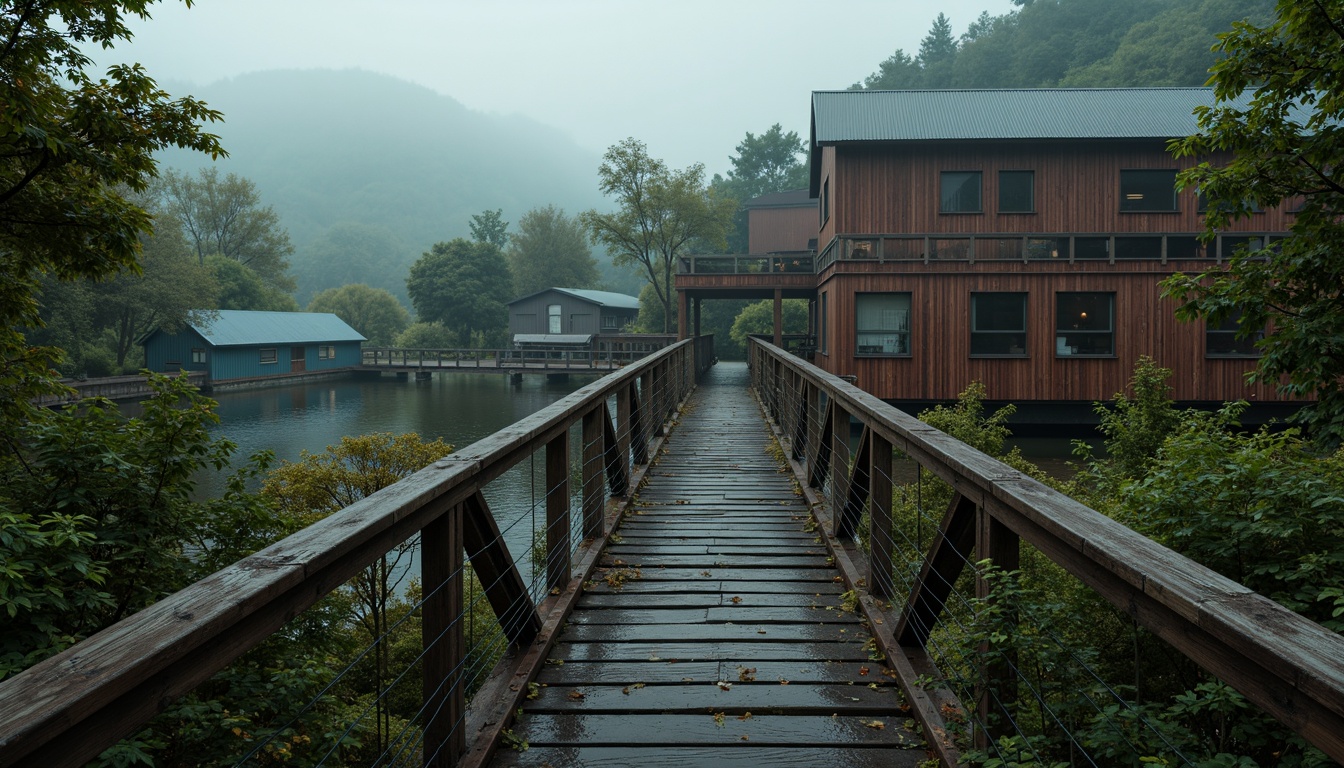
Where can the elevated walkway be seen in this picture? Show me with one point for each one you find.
(714, 631)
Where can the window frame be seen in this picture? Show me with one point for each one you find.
(904, 346)
(1031, 191)
(943, 198)
(198, 355)
(1063, 347)
(326, 352)
(268, 355)
(1247, 350)
(555, 319)
(1137, 196)
(987, 333)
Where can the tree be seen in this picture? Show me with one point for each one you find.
(464, 285)
(72, 145)
(425, 336)
(659, 214)
(759, 317)
(225, 216)
(1274, 136)
(372, 311)
(350, 252)
(763, 164)
(490, 227)
(939, 46)
(549, 250)
(896, 72)
(241, 288)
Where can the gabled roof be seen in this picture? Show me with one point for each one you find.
(236, 327)
(793, 198)
(1038, 114)
(600, 298)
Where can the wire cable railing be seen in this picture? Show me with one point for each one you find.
(480, 608)
(963, 563)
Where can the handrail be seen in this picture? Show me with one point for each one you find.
(1284, 663)
(603, 354)
(67, 709)
(787, 262)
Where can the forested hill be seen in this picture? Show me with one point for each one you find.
(1071, 43)
(341, 149)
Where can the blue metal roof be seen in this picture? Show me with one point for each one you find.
(602, 298)
(1044, 113)
(236, 327)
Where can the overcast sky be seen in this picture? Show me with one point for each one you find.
(687, 77)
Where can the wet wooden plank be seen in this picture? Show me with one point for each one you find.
(671, 730)
(732, 588)
(711, 633)
(739, 614)
(672, 652)
(739, 573)
(794, 672)
(709, 600)
(725, 695)
(750, 756)
(720, 561)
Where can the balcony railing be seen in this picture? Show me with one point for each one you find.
(796, 262)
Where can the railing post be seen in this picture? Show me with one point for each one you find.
(593, 471)
(557, 511)
(441, 569)
(839, 457)
(995, 542)
(879, 518)
(647, 397)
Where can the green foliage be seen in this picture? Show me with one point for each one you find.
(490, 227)
(348, 253)
(241, 288)
(464, 285)
(97, 517)
(1285, 146)
(759, 317)
(425, 336)
(1134, 427)
(373, 312)
(660, 215)
(549, 250)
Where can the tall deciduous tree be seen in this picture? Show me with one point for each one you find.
(372, 311)
(225, 216)
(463, 284)
(1287, 145)
(659, 214)
(71, 143)
(241, 288)
(550, 250)
(490, 227)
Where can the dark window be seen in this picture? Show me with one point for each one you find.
(1202, 204)
(1092, 247)
(1138, 248)
(197, 356)
(1017, 191)
(825, 208)
(882, 324)
(1184, 248)
(326, 352)
(1084, 324)
(823, 320)
(1230, 244)
(1148, 190)
(960, 192)
(1048, 248)
(999, 324)
(1221, 340)
(268, 356)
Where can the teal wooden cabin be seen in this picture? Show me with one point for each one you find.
(238, 345)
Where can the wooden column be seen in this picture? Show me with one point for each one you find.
(594, 500)
(879, 518)
(683, 316)
(647, 398)
(557, 512)
(441, 630)
(696, 316)
(779, 317)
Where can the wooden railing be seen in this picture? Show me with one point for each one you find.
(1290, 667)
(600, 356)
(69, 708)
(746, 264)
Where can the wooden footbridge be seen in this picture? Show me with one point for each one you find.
(704, 598)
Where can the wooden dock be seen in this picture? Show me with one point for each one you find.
(715, 630)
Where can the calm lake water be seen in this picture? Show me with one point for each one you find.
(461, 408)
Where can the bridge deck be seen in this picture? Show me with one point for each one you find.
(714, 632)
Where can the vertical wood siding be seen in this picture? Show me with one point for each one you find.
(780, 229)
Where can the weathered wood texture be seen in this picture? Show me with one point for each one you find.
(1283, 663)
(712, 631)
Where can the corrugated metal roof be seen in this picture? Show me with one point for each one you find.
(235, 327)
(603, 298)
(1044, 113)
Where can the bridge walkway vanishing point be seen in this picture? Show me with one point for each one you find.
(714, 631)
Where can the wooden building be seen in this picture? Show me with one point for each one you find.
(782, 222)
(1015, 237)
(567, 316)
(236, 345)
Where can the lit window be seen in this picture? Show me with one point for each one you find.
(1148, 190)
(1017, 191)
(1084, 324)
(999, 324)
(268, 356)
(960, 192)
(1221, 340)
(882, 324)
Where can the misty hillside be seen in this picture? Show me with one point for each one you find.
(331, 150)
